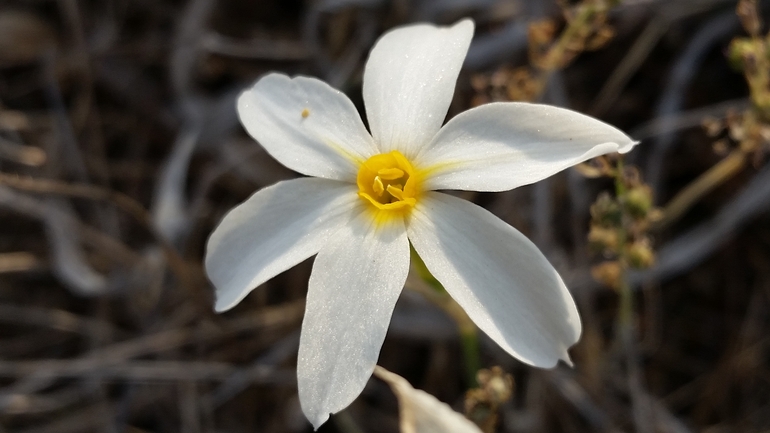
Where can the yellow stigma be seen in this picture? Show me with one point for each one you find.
(388, 182)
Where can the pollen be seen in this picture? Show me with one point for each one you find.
(305, 113)
(388, 183)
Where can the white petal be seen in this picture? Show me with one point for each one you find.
(409, 82)
(276, 228)
(306, 125)
(356, 280)
(498, 276)
(500, 146)
(421, 412)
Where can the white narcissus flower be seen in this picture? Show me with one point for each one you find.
(370, 195)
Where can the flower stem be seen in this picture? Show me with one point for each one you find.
(626, 302)
(469, 339)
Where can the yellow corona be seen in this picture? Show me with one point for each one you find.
(389, 183)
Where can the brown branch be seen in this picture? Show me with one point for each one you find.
(97, 193)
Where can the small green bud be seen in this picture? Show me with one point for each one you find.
(638, 201)
(738, 50)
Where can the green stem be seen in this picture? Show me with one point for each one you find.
(626, 306)
(620, 187)
(469, 340)
(626, 302)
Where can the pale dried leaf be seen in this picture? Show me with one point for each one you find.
(420, 411)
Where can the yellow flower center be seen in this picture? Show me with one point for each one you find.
(388, 182)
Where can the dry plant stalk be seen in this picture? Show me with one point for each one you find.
(586, 29)
(620, 223)
(93, 192)
(619, 229)
(743, 137)
(482, 404)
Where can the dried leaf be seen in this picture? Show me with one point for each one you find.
(420, 411)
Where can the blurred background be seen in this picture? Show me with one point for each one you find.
(120, 150)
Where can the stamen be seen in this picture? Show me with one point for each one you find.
(396, 191)
(378, 187)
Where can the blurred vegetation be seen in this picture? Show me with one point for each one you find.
(120, 150)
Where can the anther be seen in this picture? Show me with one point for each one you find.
(396, 191)
(378, 186)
